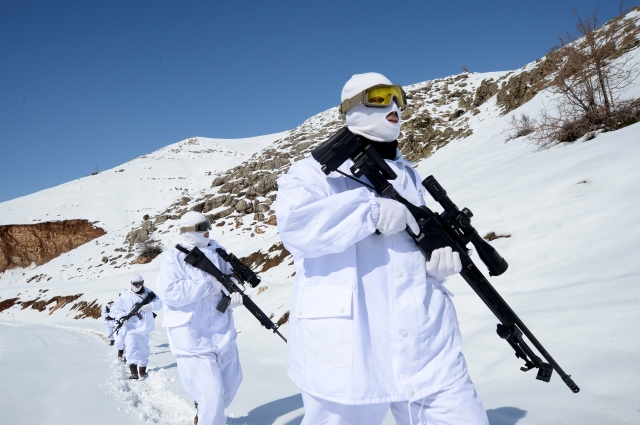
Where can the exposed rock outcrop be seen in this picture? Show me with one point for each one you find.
(87, 310)
(42, 304)
(262, 261)
(8, 303)
(24, 244)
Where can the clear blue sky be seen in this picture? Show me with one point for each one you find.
(96, 83)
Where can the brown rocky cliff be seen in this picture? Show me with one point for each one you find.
(23, 244)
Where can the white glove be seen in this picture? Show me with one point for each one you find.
(236, 300)
(444, 262)
(394, 217)
(146, 307)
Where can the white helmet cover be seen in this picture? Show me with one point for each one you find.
(136, 278)
(369, 122)
(191, 218)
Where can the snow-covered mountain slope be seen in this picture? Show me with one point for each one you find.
(118, 197)
(115, 200)
(566, 214)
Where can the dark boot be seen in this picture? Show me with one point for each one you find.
(134, 371)
(111, 342)
(142, 371)
(120, 353)
(195, 420)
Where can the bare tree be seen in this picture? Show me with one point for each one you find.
(592, 72)
(623, 10)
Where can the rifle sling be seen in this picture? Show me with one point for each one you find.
(206, 266)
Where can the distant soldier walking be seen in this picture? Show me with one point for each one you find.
(108, 320)
(202, 338)
(137, 328)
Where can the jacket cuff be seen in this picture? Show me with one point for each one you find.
(375, 207)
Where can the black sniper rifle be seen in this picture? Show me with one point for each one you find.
(451, 228)
(241, 273)
(135, 311)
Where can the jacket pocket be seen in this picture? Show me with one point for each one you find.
(182, 339)
(325, 318)
(173, 318)
(186, 340)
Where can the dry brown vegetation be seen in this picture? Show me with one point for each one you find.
(591, 73)
(147, 251)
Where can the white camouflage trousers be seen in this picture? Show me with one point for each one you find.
(119, 338)
(136, 349)
(212, 382)
(458, 404)
(108, 328)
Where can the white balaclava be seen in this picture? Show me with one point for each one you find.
(192, 218)
(368, 121)
(136, 278)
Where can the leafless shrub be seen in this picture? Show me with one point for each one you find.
(593, 72)
(564, 127)
(521, 126)
(624, 10)
(147, 251)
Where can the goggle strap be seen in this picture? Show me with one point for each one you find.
(347, 104)
(194, 228)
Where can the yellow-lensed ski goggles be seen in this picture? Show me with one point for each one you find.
(203, 226)
(377, 97)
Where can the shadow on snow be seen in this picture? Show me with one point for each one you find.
(505, 415)
(268, 413)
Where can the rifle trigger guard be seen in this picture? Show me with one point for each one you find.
(527, 367)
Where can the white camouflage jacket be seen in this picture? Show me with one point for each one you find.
(190, 297)
(367, 325)
(125, 303)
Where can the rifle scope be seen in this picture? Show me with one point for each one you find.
(462, 220)
(244, 272)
